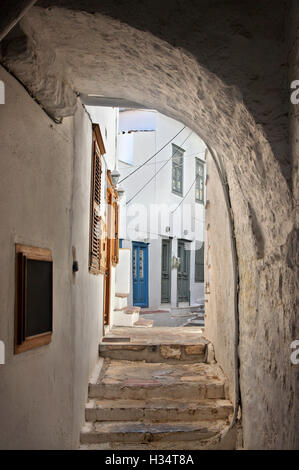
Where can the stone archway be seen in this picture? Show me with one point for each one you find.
(58, 52)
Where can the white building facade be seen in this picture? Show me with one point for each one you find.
(162, 167)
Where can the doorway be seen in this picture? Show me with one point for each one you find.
(183, 281)
(110, 246)
(166, 271)
(140, 274)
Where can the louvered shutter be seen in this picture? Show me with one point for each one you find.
(199, 263)
(96, 226)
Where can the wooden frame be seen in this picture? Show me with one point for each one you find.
(199, 183)
(177, 153)
(115, 240)
(107, 283)
(112, 242)
(96, 263)
(199, 264)
(21, 341)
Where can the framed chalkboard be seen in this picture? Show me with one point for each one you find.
(34, 297)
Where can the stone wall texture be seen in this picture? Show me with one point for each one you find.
(219, 277)
(223, 69)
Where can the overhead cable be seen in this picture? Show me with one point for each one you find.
(185, 195)
(144, 186)
(150, 158)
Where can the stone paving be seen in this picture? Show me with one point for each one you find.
(159, 335)
(169, 394)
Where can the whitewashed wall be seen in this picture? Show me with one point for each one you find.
(148, 214)
(45, 202)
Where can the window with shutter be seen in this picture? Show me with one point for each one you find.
(199, 262)
(199, 184)
(97, 228)
(177, 169)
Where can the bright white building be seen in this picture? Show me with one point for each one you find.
(162, 167)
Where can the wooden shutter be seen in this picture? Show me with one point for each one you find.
(115, 254)
(199, 264)
(97, 229)
(177, 169)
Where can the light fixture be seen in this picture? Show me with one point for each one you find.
(115, 176)
(120, 191)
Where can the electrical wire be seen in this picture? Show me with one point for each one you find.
(141, 189)
(185, 195)
(160, 150)
(160, 161)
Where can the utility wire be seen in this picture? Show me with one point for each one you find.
(136, 194)
(160, 150)
(185, 195)
(198, 154)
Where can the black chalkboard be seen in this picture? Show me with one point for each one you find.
(38, 288)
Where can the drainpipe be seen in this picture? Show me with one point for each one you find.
(221, 174)
(12, 13)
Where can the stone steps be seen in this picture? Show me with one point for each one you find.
(120, 303)
(157, 410)
(204, 444)
(143, 323)
(139, 380)
(150, 352)
(158, 388)
(126, 316)
(136, 432)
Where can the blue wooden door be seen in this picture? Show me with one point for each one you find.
(140, 274)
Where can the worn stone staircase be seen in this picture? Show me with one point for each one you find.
(122, 314)
(155, 393)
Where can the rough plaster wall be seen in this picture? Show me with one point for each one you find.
(35, 193)
(219, 318)
(228, 81)
(87, 289)
(293, 257)
(45, 201)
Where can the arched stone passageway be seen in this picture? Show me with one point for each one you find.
(228, 81)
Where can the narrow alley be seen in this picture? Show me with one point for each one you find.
(157, 388)
(149, 225)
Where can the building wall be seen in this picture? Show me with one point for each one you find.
(293, 252)
(107, 118)
(45, 202)
(149, 213)
(219, 276)
(86, 288)
(36, 209)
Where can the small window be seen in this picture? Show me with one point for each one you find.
(199, 262)
(34, 298)
(97, 229)
(177, 169)
(199, 184)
